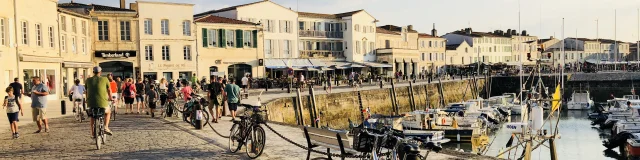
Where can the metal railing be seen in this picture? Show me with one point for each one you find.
(320, 34)
(322, 54)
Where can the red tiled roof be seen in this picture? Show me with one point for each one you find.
(216, 19)
(385, 31)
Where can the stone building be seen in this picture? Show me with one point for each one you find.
(243, 54)
(167, 40)
(432, 51)
(75, 40)
(491, 47)
(398, 46)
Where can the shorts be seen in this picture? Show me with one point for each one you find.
(213, 105)
(119, 95)
(163, 99)
(128, 100)
(152, 105)
(244, 86)
(38, 114)
(13, 117)
(77, 100)
(233, 106)
(139, 98)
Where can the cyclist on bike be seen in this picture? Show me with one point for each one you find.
(98, 97)
(77, 93)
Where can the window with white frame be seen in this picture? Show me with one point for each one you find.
(286, 47)
(3, 37)
(103, 30)
(148, 26)
(247, 39)
(25, 33)
(267, 48)
(73, 45)
(372, 47)
(39, 35)
(357, 47)
(63, 23)
(84, 27)
(148, 52)
(269, 25)
(84, 46)
(430, 44)
(186, 28)
(230, 37)
(187, 52)
(430, 56)
(165, 53)
(73, 25)
(125, 30)
(364, 29)
(63, 43)
(212, 38)
(51, 40)
(164, 27)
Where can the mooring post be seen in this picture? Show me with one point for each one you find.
(394, 98)
(393, 105)
(412, 102)
(299, 103)
(426, 94)
(312, 101)
(552, 149)
(295, 110)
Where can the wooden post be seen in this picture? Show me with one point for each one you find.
(394, 98)
(360, 104)
(312, 106)
(440, 89)
(393, 105)
(552, 148)
(295, 110)
(426, 94)
(299, 103)
(412, 102)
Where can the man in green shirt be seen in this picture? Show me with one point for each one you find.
(232, 92)
(98, 96)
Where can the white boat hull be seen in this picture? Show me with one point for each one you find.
(579, 105)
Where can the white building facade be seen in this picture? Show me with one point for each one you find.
(489, 48)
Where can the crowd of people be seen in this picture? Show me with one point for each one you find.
(100, 93)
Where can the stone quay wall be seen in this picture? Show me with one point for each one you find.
(334, 110)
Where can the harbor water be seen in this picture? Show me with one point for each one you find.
(579, 140)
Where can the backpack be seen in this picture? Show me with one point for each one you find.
(127, 91)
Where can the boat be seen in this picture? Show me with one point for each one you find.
(580, 100)
(510, 97)
(455, 128)
(436, 136)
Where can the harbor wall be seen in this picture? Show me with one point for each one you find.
(334, 110)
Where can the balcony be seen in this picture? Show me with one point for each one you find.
(322, 54)
(320, 34)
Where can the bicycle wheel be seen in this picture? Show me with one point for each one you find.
(96, 132)
(102, 132)
(255, 142)
(77, 113)
(205, 116)
(235, 139)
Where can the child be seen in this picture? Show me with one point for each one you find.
(152, 98)
(13, 106)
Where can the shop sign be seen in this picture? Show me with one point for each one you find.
(115, 54)
(170, 66)
(77, 65)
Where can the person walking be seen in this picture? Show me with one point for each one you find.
(128, 94)
(98, 97)
(13, 106)
(39, 93)
(17, 90)
(329, 83)
(114, 91)
(140, 95)
(232, 92)
(152, 98)
(245, 83)
(163, 90)
(119, 93)
(215, 98)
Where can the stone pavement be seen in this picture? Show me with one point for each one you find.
(135, 137)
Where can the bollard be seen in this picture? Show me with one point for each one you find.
(63, 107)
(381, 84)
(198, 116)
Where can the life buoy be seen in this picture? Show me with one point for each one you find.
(443, 121)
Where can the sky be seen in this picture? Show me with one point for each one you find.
(542, 18)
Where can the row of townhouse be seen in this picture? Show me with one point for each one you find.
(578, 50)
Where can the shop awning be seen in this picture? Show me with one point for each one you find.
(318, 63)
(377, 65)
(297, 62)
(274, 63)
(353, 65)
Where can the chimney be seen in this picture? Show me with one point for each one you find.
(410, 27)
(122, 4)
(551, 37)
(467, 31)
(434, 32)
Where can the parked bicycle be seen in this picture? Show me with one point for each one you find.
(196, 102)
(99, 133)
(372, 141)
(249, 133)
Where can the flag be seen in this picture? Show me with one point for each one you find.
(556, 101)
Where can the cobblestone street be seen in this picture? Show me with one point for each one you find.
(135, 137)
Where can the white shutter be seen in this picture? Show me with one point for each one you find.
(280, 26)
(281, 47)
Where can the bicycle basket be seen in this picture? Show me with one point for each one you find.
(363, 141)
(258, 117)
